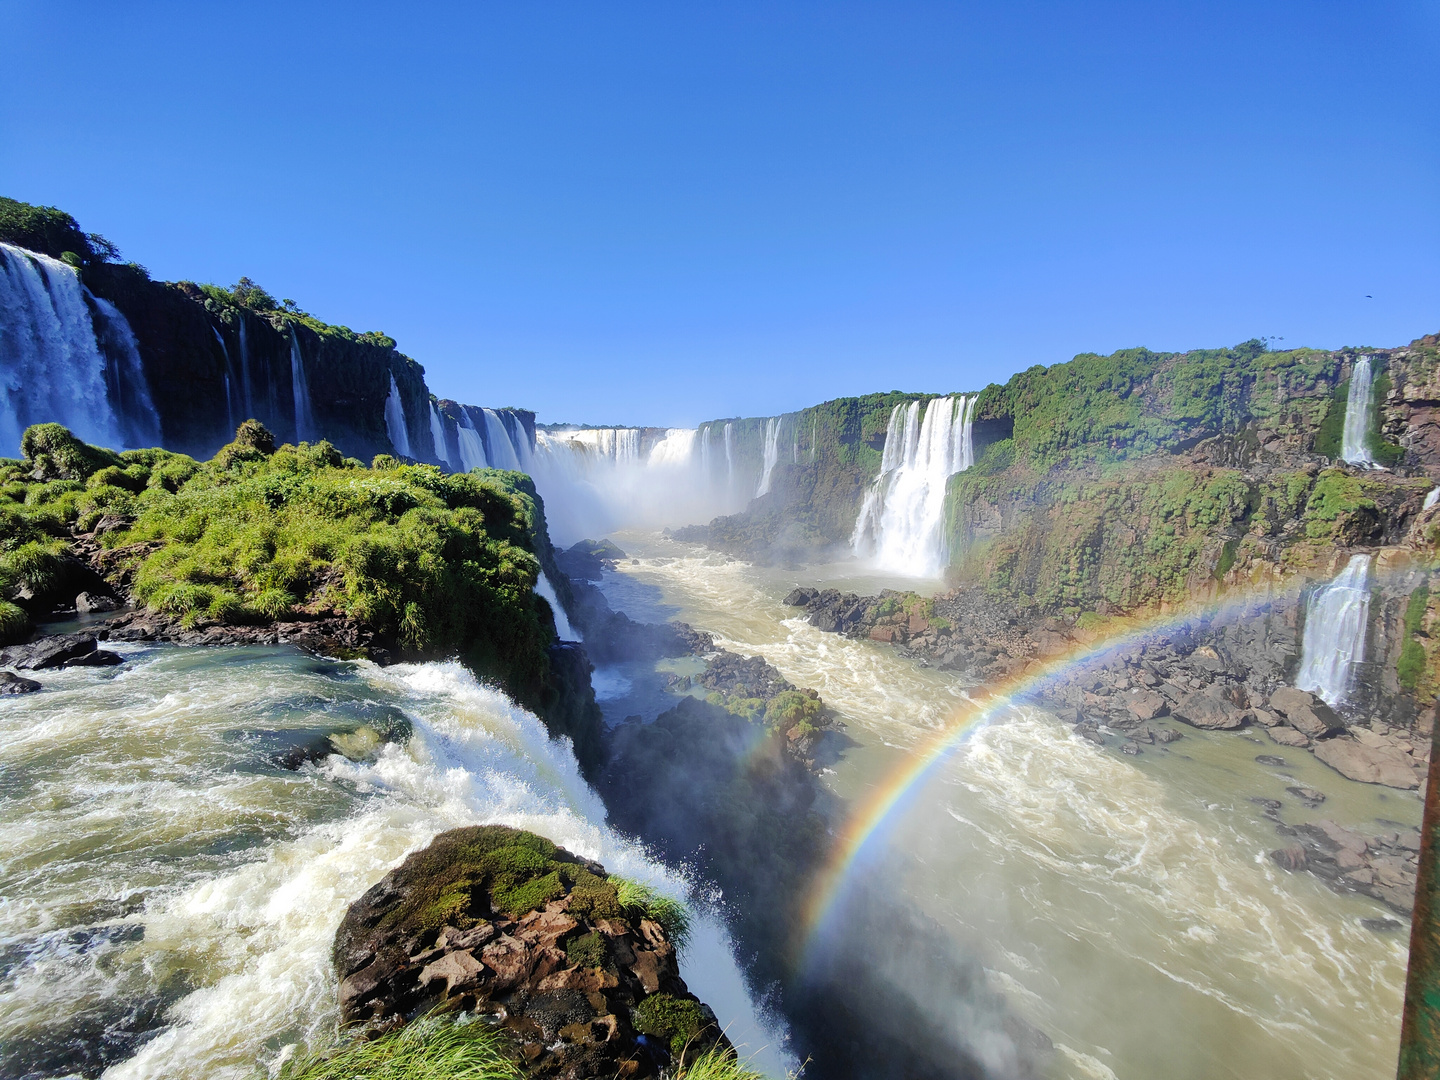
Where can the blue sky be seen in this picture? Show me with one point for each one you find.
(632, 213)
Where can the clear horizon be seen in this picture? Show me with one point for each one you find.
(658, 216)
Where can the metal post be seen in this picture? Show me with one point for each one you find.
(1420, 1024)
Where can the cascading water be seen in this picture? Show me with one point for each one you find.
(472, 447)
(901, 520)
(437, 435)
(304, 420)
(772, 455)
(1354, 447)
(501, 452)
(729, 457)
(66, 356)
(1431, 498)
(229, 395)
(1337, 617)
(247, 383)
(181, 890)
(562, 623)
(395, 421)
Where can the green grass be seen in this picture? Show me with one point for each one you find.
(427, 1049)
(641, 901)
(439, 564)
(1410, 667)
(718, 1064)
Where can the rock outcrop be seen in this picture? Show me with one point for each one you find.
(497, 921)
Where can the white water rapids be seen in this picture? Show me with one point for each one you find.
(171, 896)
(1124, 906)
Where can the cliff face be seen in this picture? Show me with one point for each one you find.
(212, 362)
(1149, 482)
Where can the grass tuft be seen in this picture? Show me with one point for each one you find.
(428, 1049)
(642, 901)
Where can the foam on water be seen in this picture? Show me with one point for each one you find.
(142, 791)
(1113, 903)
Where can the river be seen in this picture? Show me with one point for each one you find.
(1124, 906)
(169, 894)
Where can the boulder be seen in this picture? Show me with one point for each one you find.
(10, 683)
(1386, 765)
(48, 652)
(1206, 711)
(1147, 704)
(1287, 736)
(89, 602)
(496, 921)
(1305, 712)
(800, 597)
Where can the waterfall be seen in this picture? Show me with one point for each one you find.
(772, 454)
(66, 356)
(247, 391)
(304, 421)
(1336, 620)
(1431, 498)
(901, 520)
(437, 436)
(1353, 446)
(562, 624)
(502, 453)
(229, 399)
(729, 457)
(472, 449)
(395, 421)
(814, 437)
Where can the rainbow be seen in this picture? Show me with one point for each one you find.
(861, 838)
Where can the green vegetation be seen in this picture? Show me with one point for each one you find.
(640, 901)
(717, 1064)
(437, 563)
(52, 232)
(431, 1048)
(679, 1021)
(252, 297)
(1411, 666)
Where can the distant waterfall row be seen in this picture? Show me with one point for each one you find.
(901, 522)
(67, 356)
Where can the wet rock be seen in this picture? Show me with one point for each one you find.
(1293, 857)
(1382, 926)
(1381, 764)
(800, 597)
(1287, 736)
(1305, 712)
(1147, 704)
(48, 652)
(1169, 735)
(1309, 796)
(1272, 761)
(1212, 713)
(88, 602)
(497, 921)
(1130, 748)
(11, 683)
(97, 658)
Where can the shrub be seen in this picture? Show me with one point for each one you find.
(678, 1021)
(641, 901)
(53, 453)
(14, 624)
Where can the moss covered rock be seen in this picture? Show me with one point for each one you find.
(567, 959)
